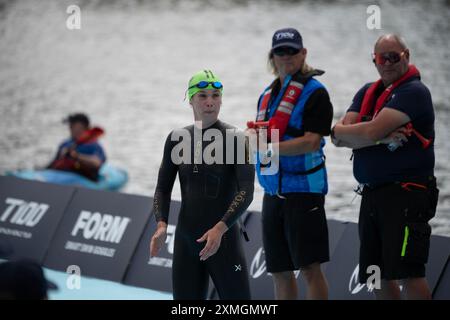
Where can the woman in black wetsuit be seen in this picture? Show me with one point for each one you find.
(217, 184)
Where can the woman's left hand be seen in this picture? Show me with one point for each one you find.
(213, 238)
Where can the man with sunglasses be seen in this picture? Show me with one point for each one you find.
(213, 197)
(395, 170)
(295, 234)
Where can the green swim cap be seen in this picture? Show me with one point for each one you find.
(204, 79)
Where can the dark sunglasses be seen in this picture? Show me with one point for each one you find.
(204, 84)
(382, 58)
(283, 51)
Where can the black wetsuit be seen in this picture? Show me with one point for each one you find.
(210, 193)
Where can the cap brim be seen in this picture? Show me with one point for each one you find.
(287, 44)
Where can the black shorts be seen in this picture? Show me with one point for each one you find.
(295, 232)
(393, 229)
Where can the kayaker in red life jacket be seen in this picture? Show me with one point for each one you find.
(81, 153)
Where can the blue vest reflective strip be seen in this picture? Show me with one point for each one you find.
(285, 179)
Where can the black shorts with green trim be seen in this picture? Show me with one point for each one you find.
(295, 232)
(393, 228)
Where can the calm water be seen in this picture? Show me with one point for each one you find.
(129, 64)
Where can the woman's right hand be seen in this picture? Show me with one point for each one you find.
(158, 238)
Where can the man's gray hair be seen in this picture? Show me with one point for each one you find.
(400, 40)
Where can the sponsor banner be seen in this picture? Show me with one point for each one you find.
(30, 212)
(342, 272)
(439, 254)
(102, 232)
(261, 283)
(442, 290)
(99, 233)
(154, 272)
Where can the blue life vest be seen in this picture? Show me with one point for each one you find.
(302, 173)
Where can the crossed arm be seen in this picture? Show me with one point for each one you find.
(385, 128)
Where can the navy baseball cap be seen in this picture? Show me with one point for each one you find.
(287, 37)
